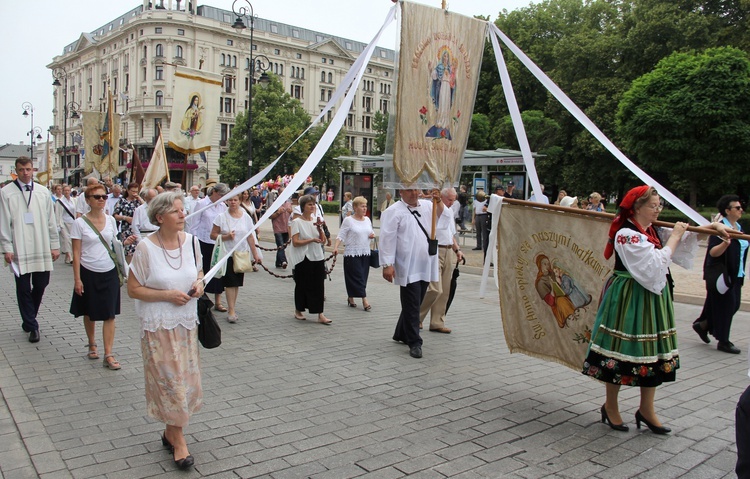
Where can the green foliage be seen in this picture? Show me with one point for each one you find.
(691, 113)
(479, 135)
(328, 170)
(380, 125)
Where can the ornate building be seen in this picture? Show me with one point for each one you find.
(133, 56)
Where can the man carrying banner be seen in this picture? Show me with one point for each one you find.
(436, 299)
(29, 241)
(405, 257)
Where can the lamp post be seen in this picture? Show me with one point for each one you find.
(57, 74)
(28, 110)
(259, 63)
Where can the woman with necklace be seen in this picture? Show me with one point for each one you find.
(165, 268)
(96, 283)
(308, 262)
(356, 232)
(233, 225)
(719, 309)
(634, 340)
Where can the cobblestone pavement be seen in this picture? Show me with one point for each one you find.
(288, 399)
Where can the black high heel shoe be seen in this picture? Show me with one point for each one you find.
(654, 428)
(616, 427)
(185, 462)
(165, 442)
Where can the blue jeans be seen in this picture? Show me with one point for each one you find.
(280, 238)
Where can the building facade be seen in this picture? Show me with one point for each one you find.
(134, 56)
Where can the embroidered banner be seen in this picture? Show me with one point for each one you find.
(553, 270)
(440, 58)
(195, 108)
(158, 167)
(107, 152)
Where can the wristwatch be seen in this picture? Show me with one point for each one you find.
(387, 265)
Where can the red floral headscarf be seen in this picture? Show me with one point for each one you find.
(625, 212)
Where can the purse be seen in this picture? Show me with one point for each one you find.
(218, 253)
(432, 244)
(375, 255)
(717, 277)
(242, 262)
(122, 266)
(209, 332)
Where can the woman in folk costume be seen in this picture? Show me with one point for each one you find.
(633, 340)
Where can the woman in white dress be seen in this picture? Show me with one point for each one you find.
(166, 267)
(65, 210)
(308, 261)
(356, 232)
(232, 225)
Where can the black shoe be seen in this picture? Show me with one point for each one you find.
(165, 442)
(476, 249)
(725, 346)
(701, 332)
(616, 427)
(654, 428)
(34, 337)
(184, 463)
(415, 351)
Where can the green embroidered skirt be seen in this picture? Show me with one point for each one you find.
(634, 340)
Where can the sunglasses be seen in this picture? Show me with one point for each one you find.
(735, 207)
(98, 197)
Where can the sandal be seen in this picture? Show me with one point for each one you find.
(113, 365)
(220, 308)
(325, 321)
(92, 354)
(299, 316)
(367, 308)
(351, 303)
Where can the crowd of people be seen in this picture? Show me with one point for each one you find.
(168, 256)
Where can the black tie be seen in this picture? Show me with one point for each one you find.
(28, 187)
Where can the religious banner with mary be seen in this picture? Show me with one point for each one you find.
(195, 109)
(440, 59)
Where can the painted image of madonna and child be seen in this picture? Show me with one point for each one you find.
(559, 290)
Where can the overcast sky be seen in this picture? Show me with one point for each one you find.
(34, 32)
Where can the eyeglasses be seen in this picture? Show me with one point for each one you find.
(655, 207)
(738, 207)
(98, 197)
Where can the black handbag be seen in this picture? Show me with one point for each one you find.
(432, 244)
(209, 332)
(375, 256)
(717, 277)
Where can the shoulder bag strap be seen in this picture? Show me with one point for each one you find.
(67, 210)
(415, 213)
(111, 253)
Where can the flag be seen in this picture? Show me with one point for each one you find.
(91, 126)
(136, 170)
(109, 136)
(158, 169)
(551, 270)
(195, 109)
(439, 63)
(42, 166)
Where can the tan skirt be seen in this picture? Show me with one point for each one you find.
(171, 366)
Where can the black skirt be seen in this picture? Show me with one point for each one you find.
(309, 285)
(356, 272)
(101, 296)
(230, 278)
(216, 285)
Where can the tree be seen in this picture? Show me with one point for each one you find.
(689, 119)
(479, 135)
(380, 125)
(329, 169)
(278, 119)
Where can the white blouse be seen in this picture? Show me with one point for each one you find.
(312, 251)
(240, 226)
(355, 235)
(94, 256)
(153, 270)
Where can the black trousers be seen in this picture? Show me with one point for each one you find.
(719, 310)
(216, 285)
(742, 430)
(29, 292)
(407, 328)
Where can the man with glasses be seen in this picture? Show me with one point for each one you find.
(28, 240)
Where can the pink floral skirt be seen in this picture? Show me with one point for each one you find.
(171, 366)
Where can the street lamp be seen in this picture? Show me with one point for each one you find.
(28, 111)
(57, 74)
(260, 63)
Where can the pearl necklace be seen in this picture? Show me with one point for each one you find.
(167, 256)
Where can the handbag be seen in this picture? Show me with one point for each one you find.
(432, 244)
(375, 255)
(717, 277)
(209, 332)
(218, 253)
(242, 262)
(122, 268)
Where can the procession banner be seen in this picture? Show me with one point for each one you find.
(158, 167)
(91, 126)
(439, 63)
(107, 151)
(551, 269)
(195, 108)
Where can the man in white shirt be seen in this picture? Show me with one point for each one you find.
(404, 255)
(141, 226)
(436, 298)
(81, 206)
(112, 199)
(542, 197)
(192, 198)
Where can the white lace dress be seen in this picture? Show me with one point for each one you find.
(169, 337)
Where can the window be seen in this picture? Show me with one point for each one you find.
(157, 126)
(127, 82)
(322, 77)
(299, 56)
(367, 121)
(383, 54)
(303, 74)
(276, 51)
(221, 104)
(274, 29)
(159, 50)
(178, 51)
(298, 92)
(322, 94)
(227, 105)
(281, 69)
(387, 74)
(230, 42)
(224, 134)
(323, 60)
(159, 98)
(145, 51)
(318, 38)
(330, 77)
(234, 61)
(228, 84)
(157, 30)
(350, 120)
(330, 92)
(348, 45)
(91, 92)
(295, 34)
(223, 60)
(255, 47)
(330, 61)
(159, 73)
(181, 32)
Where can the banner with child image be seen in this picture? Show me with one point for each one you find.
(551, 271)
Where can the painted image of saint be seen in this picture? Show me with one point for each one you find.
(192, 120)
(552, 292)
(442, 91)
(577, 295)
